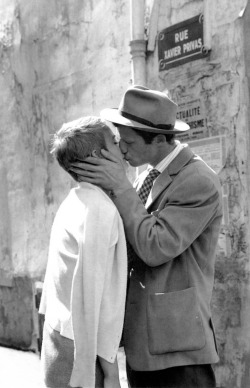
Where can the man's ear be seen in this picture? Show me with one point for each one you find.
(160, 139)
(94, 154)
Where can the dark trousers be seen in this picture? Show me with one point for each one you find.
(191, 376)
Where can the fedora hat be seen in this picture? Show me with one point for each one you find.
(148, 110)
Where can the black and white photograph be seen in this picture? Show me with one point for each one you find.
(125, 194)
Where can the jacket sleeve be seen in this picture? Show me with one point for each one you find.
(187, 207)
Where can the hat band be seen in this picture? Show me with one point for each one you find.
(145, 122)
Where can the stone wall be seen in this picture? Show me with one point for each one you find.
(59, 60)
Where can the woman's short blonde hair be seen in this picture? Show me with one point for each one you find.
(77, 139)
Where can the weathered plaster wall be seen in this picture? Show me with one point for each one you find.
(220, 81)
(16, 314)
(59, 60)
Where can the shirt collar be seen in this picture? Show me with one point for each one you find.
(164, 163)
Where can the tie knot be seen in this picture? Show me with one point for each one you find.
(153, 174)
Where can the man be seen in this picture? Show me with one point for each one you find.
(168, 333)
(85, 284)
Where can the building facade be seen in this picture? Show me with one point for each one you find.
(61, 60)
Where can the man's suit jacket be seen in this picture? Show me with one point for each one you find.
(168, 319)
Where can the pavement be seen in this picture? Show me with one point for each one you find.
(21, 369)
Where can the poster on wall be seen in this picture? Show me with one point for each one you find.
(213, 151)
(192, 112)
(181, 43)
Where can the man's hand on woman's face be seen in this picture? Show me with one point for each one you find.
(108, 172)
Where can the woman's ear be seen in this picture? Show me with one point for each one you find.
(94, 154)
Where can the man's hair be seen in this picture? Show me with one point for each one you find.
(76, 140)
(149, 136)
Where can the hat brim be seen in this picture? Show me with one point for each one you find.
(113, 115)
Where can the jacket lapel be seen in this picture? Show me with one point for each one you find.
(165, 178)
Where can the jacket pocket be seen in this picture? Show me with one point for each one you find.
(174, 322)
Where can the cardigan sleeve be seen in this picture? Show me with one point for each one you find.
(96, 244)
(114, 296)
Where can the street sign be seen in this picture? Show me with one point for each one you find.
(181, 43)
